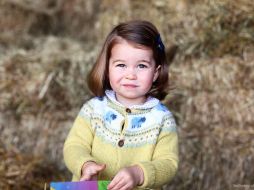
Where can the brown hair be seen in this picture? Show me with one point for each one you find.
(139, 32)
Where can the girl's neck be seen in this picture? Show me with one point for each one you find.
(131, 102)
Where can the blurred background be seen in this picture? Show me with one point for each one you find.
(48, 46)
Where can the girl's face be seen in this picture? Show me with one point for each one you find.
(132, 71)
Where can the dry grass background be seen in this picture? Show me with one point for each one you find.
(47, 47)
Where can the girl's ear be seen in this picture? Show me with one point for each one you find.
(156, 73)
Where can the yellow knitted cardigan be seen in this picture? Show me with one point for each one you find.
(147, 133)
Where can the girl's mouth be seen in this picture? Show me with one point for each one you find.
(130, 85)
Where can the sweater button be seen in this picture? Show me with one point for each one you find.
(121, 143)
(128, 110)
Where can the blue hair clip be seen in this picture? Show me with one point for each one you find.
(160, 45)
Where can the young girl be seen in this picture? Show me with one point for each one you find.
(125, 134)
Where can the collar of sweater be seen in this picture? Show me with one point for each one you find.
(149, 104)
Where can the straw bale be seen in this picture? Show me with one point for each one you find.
(215, 116)
(53, 68)
(112, 13)
(212, 28)
(36, 83)
(217, 74)
(22, 18)
(19, 171)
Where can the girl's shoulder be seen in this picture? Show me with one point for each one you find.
(160, 113)
(93, 104)
(97, 100)
(161, 109)
(166, 117)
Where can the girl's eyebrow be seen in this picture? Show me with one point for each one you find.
(146, 61)
(117, 60)
(139, 61)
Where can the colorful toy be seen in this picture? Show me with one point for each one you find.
(80, 185)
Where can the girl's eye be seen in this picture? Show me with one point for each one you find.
(120, 65)
(142, 66)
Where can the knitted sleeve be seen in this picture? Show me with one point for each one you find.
(164, 164)
(77, 146)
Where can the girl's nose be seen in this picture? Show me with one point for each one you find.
(131, 74)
